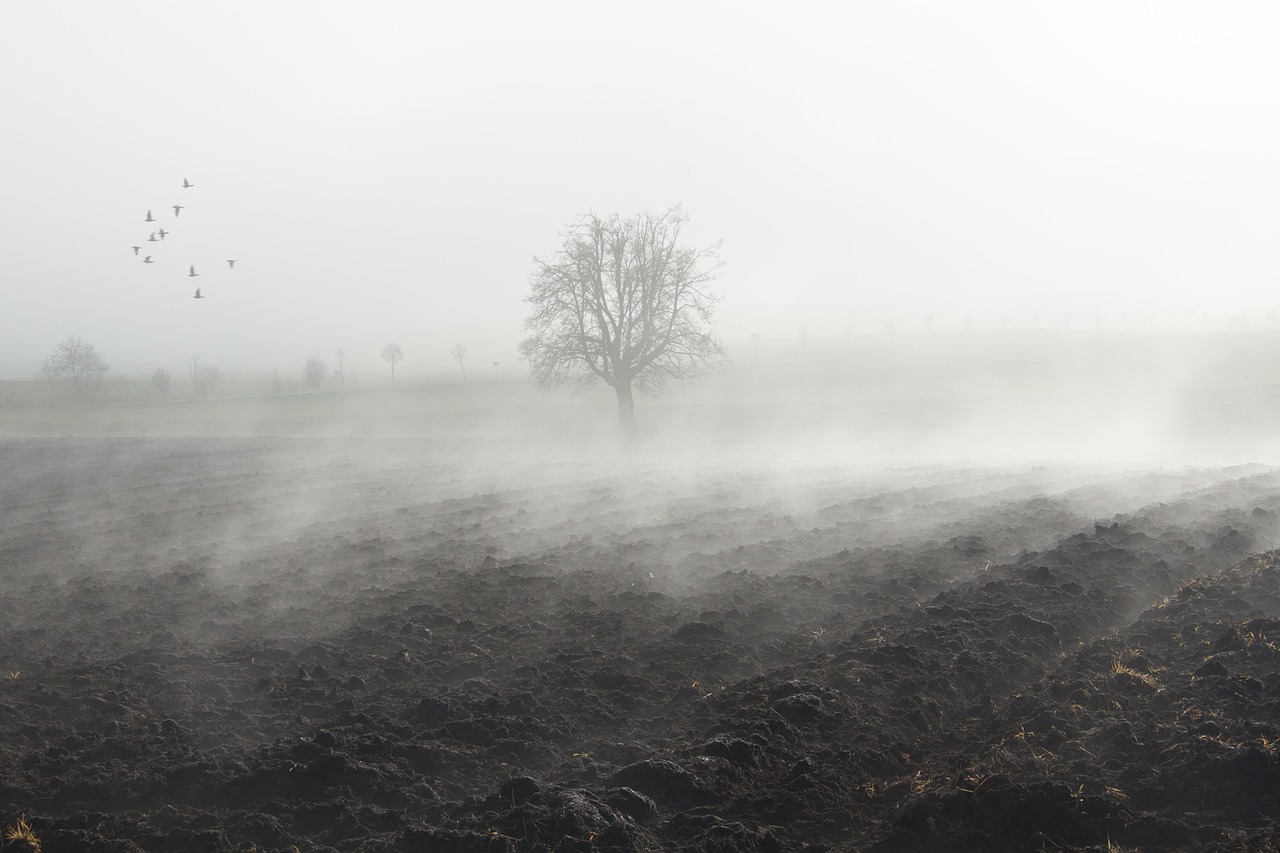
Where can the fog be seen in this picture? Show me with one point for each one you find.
(388, 175)
(959, 396)
(274, 584)
(864, 441)
(973, 257)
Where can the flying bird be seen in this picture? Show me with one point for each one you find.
(148, 219)
(152, 238)
(231, 264)
(187, 184)
(197, 296)
(137, 249)
(147, 260)
(193, 272)
(163, 233)
(177, 208)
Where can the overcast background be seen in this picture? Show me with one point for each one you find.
(386, 171)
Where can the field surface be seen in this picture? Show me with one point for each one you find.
(859, 606)
(266, 643)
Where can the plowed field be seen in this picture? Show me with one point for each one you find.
(275, 644)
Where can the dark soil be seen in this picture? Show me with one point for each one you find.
(270, 645)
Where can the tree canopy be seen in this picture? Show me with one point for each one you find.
(623, 302)
(392, 354)
(78, 362)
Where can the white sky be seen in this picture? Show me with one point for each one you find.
(386, 171)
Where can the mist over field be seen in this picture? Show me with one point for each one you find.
(448, 616)
(838, 439)
(561, 427)
(877, 591)
(995, 396)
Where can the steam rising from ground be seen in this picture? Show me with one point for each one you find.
(892, 440)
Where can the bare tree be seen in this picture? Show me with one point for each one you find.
(78, 363)
(210, 379)
(459, 352)
(391, 354)
(755, 346)
(341, 354)
(193, 372)
(528, 348)
(160, 380)
(622, 302)
(495, 370)
(314, 372)
(204, 378)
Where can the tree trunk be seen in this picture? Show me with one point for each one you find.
(626, 410)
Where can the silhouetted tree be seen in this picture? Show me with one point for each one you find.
(341, 354)
(623, 302)
(495, 370)
(193, 373)
(314, 372)
(204, 378)
(528, 348)
(78, 363)
(391, 354)
(160, 380)
(459, 352)
(755, 346)
(210, 379)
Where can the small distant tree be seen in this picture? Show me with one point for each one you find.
(755, 346)
(392, 354)
(314, 372)
(528, 349)
(804, 336)
(623, 302)
(341, 353)
(193, 373)
(210, 379)
(495, 370)
(78, 363)
(205, 378)
(459, 352)
(161, 380)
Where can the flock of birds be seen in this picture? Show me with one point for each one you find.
(159, 235)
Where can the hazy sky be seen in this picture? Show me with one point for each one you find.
(386, 171)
